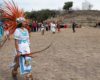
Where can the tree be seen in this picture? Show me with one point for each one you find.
(67, 5)
(90, 6)
(41, 15)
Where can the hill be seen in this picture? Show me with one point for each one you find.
(81, 17)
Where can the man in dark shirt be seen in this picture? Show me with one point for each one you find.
(73, 26)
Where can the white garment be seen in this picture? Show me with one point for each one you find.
(53, 27)
(23, 40)
(42, 27)
(22, 36)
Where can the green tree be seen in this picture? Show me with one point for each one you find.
(68, 5)
(41, 15)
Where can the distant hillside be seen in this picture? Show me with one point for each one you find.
(84, 18)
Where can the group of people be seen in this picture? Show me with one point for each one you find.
(50, 26)
(23, 56)
(45, 26)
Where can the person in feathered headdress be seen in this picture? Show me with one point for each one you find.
(21, 35)
(22, 45)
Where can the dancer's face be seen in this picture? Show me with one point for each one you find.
(24, 23)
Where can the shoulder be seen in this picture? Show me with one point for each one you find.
(17, 31)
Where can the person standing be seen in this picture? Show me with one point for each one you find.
(46, 26)
(58, 26)
(42, 28)
(53, 27)
(6, 31)
(73, 27)
(34, 26)
(22, 47)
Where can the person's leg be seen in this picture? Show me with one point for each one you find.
(15, 69)
(73, 29)
(32, 29)
(53, 32)
(42, 32)
(35, 29)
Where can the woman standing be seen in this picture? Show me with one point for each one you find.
(53, 27)
(22, 46)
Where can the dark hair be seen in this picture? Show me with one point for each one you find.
(19, 25)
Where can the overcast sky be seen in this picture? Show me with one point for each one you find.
(29, 5)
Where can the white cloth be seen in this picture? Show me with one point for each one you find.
(42, 27)
(53, 27)
(23, 40)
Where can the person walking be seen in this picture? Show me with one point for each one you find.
(73, 27)
(22, 47)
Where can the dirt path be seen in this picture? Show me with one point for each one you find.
(73, 56)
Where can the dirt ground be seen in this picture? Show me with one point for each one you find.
(72, 56)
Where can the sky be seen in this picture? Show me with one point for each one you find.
(29, 5)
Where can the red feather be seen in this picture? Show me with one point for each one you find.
(11, 12)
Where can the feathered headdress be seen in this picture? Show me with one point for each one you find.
(12, 13)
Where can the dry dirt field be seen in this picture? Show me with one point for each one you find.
(72, 56)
